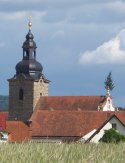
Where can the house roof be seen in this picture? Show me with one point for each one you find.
(18, 131)
(97, 131)
(89, 103)
(3, 118)
(69, 123)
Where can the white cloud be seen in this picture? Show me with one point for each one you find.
(19, 15)
(118, 6)
(112, 52)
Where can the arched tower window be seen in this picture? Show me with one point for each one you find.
(21, 94)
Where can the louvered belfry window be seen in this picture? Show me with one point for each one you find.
(21, 94)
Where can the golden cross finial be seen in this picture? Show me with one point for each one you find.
(29, 24)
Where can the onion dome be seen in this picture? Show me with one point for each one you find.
(29, 65)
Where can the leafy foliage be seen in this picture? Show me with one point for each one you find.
(112, 136)
(109, 82)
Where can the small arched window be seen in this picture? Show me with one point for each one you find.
(24, 54)
(35, 54)
(21, 94)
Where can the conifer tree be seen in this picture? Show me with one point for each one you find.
(109, 82)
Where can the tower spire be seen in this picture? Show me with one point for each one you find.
(29, 65)
(108, 91)
(29, 23)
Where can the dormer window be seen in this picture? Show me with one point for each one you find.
(21, 94)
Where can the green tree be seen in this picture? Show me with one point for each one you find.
(109, 82)
(112, 136)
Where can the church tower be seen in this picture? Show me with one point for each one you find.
(28, 84)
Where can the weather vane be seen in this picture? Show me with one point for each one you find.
(29, 24)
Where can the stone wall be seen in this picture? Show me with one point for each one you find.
(40, 89)
(32, 90)
(20, 109)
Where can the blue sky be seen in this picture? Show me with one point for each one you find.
(79, 42)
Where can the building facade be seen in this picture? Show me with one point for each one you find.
(33, 115)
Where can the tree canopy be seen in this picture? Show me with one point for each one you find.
(109, 82)
(112, 136)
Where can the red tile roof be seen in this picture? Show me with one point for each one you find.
(18, 131)
(119, 114)
(89, 103)
(3, 118)
(64, 116)
(69, 123)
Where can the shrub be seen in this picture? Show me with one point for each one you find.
(112, 136)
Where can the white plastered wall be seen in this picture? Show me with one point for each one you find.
(87, 136)
(108, 105)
